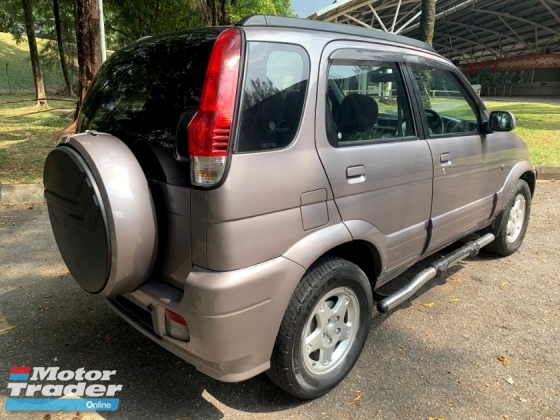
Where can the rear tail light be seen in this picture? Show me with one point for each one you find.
(210, 129)
(176, 326)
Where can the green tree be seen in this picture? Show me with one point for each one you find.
(12, 20)
(426, 34)
(60, 44)
(89, 50)
(266, 7)
(214, 12)
(125, 22)
(128, 20)
(34, 53)
(6, 21)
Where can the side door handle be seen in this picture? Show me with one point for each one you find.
(445, 158)
(356, 174)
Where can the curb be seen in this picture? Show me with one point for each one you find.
(33, 193)
(548, 172)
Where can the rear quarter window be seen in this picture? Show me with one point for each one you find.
(273, 96)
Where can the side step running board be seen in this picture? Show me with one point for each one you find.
(438, 268)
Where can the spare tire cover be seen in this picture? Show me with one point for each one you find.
(101, 213)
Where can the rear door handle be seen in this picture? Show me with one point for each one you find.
(445, 158)
(356, 174)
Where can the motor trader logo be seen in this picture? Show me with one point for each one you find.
(49, 388)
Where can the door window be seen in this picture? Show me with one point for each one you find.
(448, 108)
(366, 102)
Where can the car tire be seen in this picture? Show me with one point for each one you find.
(324, 329)
(513, 221)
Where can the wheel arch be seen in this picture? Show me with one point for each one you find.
(521, 170)
(363, 254)
(530, 178)
(336, 240)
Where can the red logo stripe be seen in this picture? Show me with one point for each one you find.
(23, 369)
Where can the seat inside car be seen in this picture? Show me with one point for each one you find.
(357, 113)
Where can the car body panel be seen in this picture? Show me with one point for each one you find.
(464, 186)
(397, 175)
(231, 256)
(242, 308)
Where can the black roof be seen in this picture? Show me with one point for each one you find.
(315, 25)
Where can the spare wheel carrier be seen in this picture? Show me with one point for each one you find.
(101, 213)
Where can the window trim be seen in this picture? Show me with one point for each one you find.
(473, 103)
(241, 89)
(386, 140)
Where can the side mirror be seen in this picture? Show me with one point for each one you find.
(502, 121)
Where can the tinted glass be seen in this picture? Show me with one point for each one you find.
(448, 107)
(366, 102)
(273, 96)
(142, 91)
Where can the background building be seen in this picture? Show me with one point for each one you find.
(510, 47)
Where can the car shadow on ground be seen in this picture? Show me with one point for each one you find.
(60, 325)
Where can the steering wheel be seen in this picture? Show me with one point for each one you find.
(435, 122)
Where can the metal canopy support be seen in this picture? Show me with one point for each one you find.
(552, 12)
(408, 22)
(377, 17)
(396, 16)
(530, 22)
(479, 29)
(470, 43)
(359, 22)
(513, 32)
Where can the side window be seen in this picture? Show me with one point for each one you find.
(448, 107)
(273, 96)
(366, 102)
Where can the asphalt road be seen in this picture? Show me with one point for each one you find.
(482, 344)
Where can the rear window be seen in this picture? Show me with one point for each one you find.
(144, 90)
(273, 96)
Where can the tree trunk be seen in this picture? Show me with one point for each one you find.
(34, 53)
(89, 49)
(428, 21)
(215, 11)
(427, 26)
(60, 43)
(224, 20)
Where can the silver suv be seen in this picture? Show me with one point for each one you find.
(239, 194)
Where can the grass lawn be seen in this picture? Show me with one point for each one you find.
(26, 137)
(18, 73)
(537, 124)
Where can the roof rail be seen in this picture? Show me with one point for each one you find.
(315, 25)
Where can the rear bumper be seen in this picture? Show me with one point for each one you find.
(233, 316)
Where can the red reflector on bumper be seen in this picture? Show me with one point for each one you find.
(176, 326)
(175, 317)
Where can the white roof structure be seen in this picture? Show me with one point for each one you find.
(466, 31)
